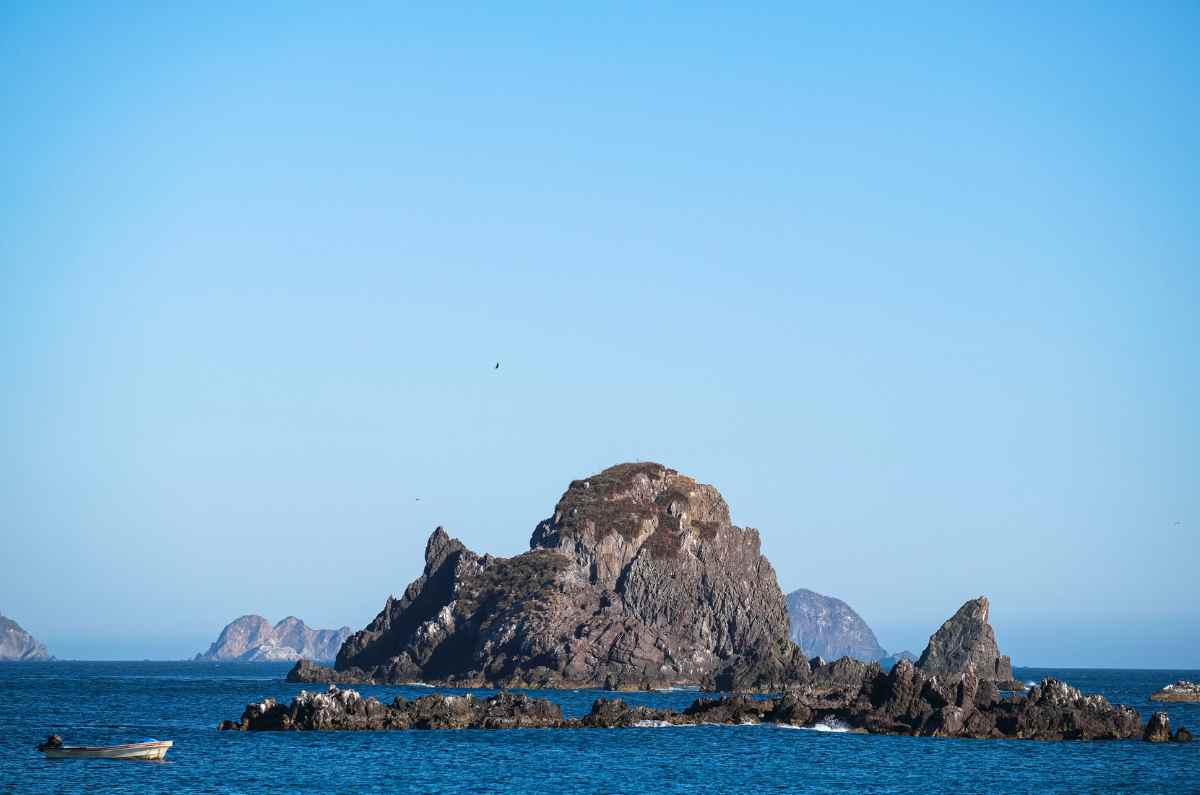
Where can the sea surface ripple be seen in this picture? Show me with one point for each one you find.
(110, 702)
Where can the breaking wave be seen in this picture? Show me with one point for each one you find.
(829, 725)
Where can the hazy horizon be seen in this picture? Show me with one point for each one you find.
(916, 291)
(1013, 640)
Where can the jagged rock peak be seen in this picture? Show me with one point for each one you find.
(18, 645)
(251, 638)
(440, 546)
(824, 626)
(965, 642)
(639, 578)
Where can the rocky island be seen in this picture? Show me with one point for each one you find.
(1183, 690)
(824, 626)
(638, 579)
(18, 645)
(251, 638)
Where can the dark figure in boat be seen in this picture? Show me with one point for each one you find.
(53, 741)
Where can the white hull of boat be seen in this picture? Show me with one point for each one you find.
(155, 750)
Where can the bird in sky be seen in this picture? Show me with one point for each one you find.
(497, 367)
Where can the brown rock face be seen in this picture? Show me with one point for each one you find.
(966, 642)
(639, 579)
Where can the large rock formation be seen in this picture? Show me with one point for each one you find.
(252, 639)
(848, 692)
(17, 644)
(827, 627)
(639, 579)
(966, 642)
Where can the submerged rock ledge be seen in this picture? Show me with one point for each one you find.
(858, 695)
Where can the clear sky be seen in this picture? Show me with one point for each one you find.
(915, 287)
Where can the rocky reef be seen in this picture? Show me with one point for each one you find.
(1158, 730)
(251, 638)
(823, 626)
(346, 710)
(1183, 690)
(966, 642)
(18, 645)
(848, 692)
(639, 579)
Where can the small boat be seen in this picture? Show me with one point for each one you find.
(53, 748)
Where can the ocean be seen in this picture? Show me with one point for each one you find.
(111, 702)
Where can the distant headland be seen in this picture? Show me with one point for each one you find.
(825, 626)
(251, 638)
(18, 645)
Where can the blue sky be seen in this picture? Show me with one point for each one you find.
(914, 287)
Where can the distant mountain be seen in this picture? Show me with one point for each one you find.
(829, 628)
(252, 639)
(17, 644)
(889, 662)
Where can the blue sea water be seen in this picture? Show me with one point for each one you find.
(111, 702)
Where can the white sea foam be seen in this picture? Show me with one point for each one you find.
(747, 723)
(829, 725)
(1031, 684)
(654, 724)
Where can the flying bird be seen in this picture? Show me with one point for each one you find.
(497, 367)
